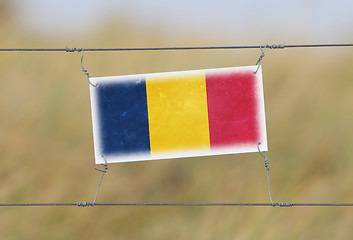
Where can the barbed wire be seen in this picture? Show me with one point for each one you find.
(269, 46)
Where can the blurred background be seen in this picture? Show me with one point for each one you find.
(46, 140)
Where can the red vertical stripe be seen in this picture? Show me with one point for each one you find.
(232, 107)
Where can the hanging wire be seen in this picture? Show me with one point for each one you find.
(94, 203)
(272, 46)
(103, 172)
(258, 64)
(82, 67)
(263, 154)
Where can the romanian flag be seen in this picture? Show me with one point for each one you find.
(178, 114)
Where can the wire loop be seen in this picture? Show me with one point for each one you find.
(260, 59)
(103, 172)
(263, 48)
(82, 67)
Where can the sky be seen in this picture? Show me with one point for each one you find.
(314, 20)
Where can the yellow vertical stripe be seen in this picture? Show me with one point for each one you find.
(177, 112)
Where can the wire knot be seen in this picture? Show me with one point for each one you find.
(105, 164)
(84, 204)
(263, 154)
(267, 164)
(67, 49)
(263, 48)
(276, 46)
(283, 204)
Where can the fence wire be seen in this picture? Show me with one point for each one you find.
(89, 204)
(268, 46)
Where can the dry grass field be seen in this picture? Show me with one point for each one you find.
(46, 146)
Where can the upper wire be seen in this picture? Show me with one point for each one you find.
(270, 46)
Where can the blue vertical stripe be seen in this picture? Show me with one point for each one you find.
(123, 116)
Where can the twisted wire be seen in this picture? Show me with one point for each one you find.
(82, 67)
(263, 154)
